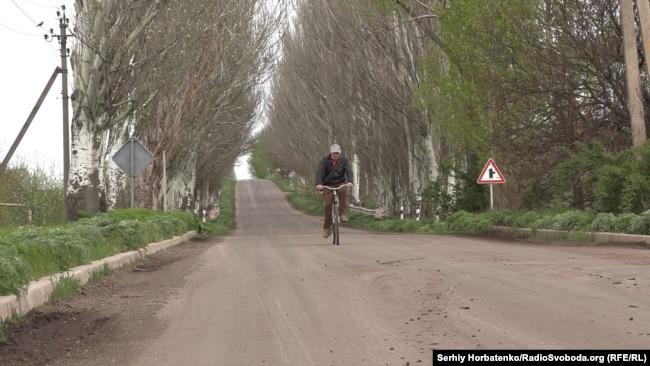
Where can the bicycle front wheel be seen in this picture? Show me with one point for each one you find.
(336, 221)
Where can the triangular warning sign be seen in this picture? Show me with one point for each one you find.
(491, 174)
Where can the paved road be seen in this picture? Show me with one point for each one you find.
(275, 293)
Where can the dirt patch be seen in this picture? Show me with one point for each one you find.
(107, 320)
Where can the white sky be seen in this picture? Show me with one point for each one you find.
(26, 69)
(27, 65)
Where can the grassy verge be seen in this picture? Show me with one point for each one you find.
(30, 252)
(575, 223)
(225, 223)
(312, 204)
(308, 202)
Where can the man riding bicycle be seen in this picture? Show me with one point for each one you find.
(333, 171)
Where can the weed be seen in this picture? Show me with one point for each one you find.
(66, 287)
(4, 325)
(97, 275)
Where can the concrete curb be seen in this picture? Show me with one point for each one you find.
(39, 291)
(579, 236)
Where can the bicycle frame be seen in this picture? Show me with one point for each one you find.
(336, 218)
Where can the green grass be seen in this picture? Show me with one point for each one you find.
(312, 205)
(309, 202)
(31, 252)
(97, 275)
(68, 286)
(225, 223)
(576, 223)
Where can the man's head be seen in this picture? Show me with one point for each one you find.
(335, 151)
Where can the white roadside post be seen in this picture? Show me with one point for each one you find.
(491, 174)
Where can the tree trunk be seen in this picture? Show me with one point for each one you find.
(632, 73)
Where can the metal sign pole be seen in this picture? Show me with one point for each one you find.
(131, 174)
(491, 197)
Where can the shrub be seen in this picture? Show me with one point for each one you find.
(37, 189)
(608, 188)
(525, 220)
(503, 217)
(604, 222)
(432, 227)
(624, 222)
(14, 271)
(466, 223)
(546, 222)
(635, 192)
(640, 224)
(573, 220)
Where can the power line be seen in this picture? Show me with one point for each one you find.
(22, 11)
(41, 6)
(19, 32)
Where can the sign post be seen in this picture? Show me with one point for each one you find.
(133, 158)
(491, 174)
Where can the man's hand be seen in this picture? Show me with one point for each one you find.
(349, 184)
(319, 188)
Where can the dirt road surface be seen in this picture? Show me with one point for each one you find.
(275, 293)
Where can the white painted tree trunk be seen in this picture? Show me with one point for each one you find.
(355, 178)
(115, 180)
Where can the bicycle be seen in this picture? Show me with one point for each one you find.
(336, 217)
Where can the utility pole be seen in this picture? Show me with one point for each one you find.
(65, 52)
(14, 146)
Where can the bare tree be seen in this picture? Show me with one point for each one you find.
(185, 74)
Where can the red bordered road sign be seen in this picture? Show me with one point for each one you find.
(491, 174)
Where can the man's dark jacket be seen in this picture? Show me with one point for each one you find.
(329, 174)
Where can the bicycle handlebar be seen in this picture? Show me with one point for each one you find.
(336, 189)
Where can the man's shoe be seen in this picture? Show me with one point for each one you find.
(344, 218)
(326, 233)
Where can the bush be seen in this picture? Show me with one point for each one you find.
(573, 220)
(503, 217)
(38, 189)
(466, 223)
(14, 271)
(432, 227)
(545, 222)
(635, 192)
(527, 219)
(624, 222)
(604, 222)
(608, 188)
(640, 224)
(608, 182)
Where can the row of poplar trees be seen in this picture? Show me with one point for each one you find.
(419, 93)
(185, 75)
